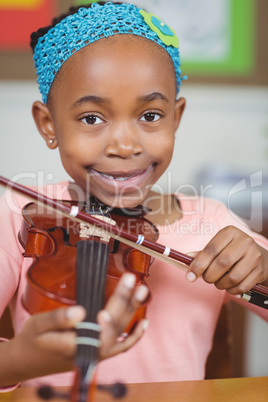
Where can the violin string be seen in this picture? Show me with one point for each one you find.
(85, 269)
(99, 283)
(81, 284)
(92, 260)
(101, 262)
(93, 306)
(90, 287)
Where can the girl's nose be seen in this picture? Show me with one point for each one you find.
(123, 145)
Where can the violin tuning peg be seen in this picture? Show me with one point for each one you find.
(117, 390)
(46, 393)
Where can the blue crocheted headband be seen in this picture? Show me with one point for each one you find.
(91, 24)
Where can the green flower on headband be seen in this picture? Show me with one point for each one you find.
(165, 33)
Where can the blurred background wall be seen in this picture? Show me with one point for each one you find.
(222, 144)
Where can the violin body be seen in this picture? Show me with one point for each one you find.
(50, 239)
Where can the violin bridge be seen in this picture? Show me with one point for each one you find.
(87, 230)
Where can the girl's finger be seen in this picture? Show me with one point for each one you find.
(118, 313)
(230, 264)
(126, 298)
(61, 318)
(245, 285)
(114, 319)
(217, 255)
(202, 261)
(128, 342)
(241, 269)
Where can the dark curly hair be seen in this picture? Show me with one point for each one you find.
(72, 10)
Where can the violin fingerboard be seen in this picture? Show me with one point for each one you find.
(91, 270)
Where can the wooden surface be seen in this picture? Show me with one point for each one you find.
(231, 390)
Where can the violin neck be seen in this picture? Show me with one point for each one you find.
(82, 391)
(91, 270)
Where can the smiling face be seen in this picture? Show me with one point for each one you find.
(112, 112)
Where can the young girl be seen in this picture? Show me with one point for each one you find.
(109, 75)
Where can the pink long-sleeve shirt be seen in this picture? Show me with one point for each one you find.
(182, 315)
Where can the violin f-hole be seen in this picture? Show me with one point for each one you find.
(115, 246)
(66, 235)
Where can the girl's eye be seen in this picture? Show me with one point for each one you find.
(151, 117)
(92, 120)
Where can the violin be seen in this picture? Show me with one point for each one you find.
(74, 263)
(49, 242)
(77, 264)
(53, 242)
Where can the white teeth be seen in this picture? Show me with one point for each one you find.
(106, 175)
(115, 178)
(121, 178)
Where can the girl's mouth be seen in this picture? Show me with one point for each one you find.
(132, 177)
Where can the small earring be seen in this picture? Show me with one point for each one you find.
(51, 141)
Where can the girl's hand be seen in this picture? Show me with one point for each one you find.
(232, 260)
(46, 345)
(118, 312)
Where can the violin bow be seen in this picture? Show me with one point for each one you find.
(258, 295)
